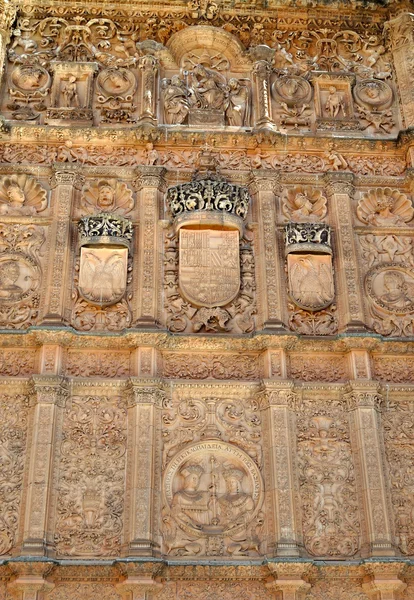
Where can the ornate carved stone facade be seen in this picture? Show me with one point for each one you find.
(206, 300)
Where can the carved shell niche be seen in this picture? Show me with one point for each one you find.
(106, 195)
(384, 206)
(303, 204)
(21, 194)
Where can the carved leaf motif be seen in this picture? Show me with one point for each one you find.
(385, 207)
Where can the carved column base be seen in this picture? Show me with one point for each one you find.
(52, 320)
(355, 327)
(147, 322)
(143, 548)
(274, 325)
(265, 124)
(36, 547)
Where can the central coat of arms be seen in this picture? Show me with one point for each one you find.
(209, 270)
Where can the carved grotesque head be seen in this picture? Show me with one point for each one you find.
(106, 196)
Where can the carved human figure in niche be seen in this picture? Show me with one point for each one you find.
(70, 93)
(190, 504)
(207, 88)
(335, 103)
(236, 507)
(396, 292)
(237, 111)
(176, 105)
(9, 274)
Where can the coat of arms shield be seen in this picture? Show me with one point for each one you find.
(209, 270)
(103, 275)
(311, 284)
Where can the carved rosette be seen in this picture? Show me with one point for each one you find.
(209, 269)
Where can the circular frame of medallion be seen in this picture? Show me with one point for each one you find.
(292, 90)
(19, 277)
(22, 75)
(397, 296)
(373, 93)
(115, 83)
(211, 467)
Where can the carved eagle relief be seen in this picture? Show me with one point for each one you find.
(103, 275)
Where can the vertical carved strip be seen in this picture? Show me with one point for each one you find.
(268, 255)
(64, 184)
(144, 397)
(149, 67)
(50, 395)
(150, 181)
(340, 190)
(401, 38)
(364, 403)
(278, 398)
(261, 74)
(7, 15)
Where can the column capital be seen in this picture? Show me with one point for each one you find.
(150, 176)
(49, 389)
(339, 183)
(263, 180)
(30, 577)
(288, 578)
(63, 177)
(148, 62)
(7, 15)
(142, 391)
(400, 30)
(278, 393)
(383, 580)
(363, 395)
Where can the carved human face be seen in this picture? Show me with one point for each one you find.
(233, 485)
(372, 92)
(106, 196)
(191, 482)
(15, 195)
(9, 274)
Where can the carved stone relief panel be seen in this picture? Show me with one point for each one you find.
(91, 477)
(208, 590)
(29, 87)
(71, 94)
(293, 95)
(115, 95)
(334, 103)
(385, 207)
(21, 195)
(395, 369)
(17, 362)
(212, 481)
(107, 195)
(111, 364)
(20, 274)
(303, 204)
(318, 367)
(328, 489)
(87, 591)
(398, 422)
(373, 100)
(211, 366)
(13, 435)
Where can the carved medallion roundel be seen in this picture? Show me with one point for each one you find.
(29, 79)
(292, 90)
(213, 488)
(391, 287)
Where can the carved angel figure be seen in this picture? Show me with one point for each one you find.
(385, 207)
(102, 277)
(107, 195)
(176, 105)
(21, 194)
(303, 204)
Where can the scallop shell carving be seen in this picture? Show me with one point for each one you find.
(21, 194)
(385, 207)
(304, 204)
(108, 195)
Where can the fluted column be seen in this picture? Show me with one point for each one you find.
(278, 399)
(143, 467)
(269, 261)
(263, 108)
(64, 184)
(340, 190)
(150, 183)
(364, 404)
(149, 67)
(49, 398)
(400, 33)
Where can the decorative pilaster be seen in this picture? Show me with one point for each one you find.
(7, 16)
(289, 580)
(261, 77)
(150, 183)
(269, 261)
(49, 399)
(400, 32)
(278, 399)
(340, 190)
(383, 580)
(64, 184)
(149, 67)
(143, 467)
(364, 403)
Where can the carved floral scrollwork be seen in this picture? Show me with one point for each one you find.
(327, 481)
(91, 485)
(13, 434)
(20, 274)
(399, 444)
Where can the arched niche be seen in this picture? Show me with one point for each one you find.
(210, 40)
